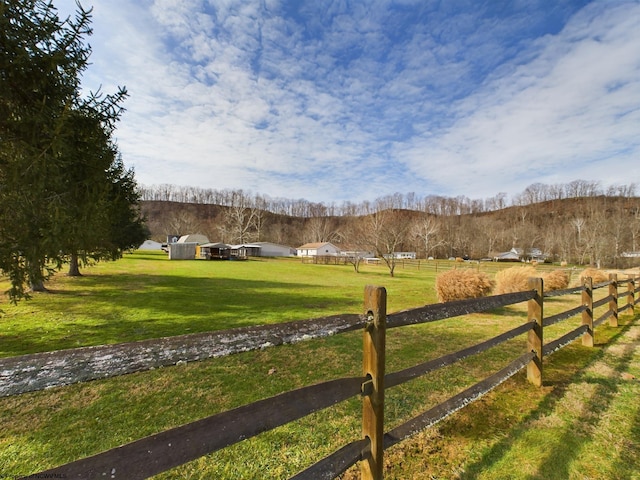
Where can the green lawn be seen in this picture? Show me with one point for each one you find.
(145, 295)
(583, 423)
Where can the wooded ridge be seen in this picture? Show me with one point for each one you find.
(599, 228)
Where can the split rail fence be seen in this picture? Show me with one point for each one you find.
(158, 453)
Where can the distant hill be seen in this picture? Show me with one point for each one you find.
(595, 229)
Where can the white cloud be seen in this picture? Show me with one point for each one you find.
(349, 102)
(554, 117)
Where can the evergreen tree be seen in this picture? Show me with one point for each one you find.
(57, 157)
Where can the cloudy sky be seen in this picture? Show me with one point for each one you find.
(352, 100)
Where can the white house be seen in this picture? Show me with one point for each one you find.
(405, 255)
(317, 249)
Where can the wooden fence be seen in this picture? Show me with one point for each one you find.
(163, 451)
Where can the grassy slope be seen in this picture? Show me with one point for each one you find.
(585, 429)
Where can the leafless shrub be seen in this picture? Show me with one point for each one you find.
(555, 280)
(462, 284)
(514, 279)
(597, 276)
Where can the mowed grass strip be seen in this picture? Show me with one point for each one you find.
(49, 428)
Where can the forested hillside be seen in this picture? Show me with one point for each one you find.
(577, 223)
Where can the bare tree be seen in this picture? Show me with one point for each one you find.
(183, 222)
(240, 222)
(386, 231)
(320, 229)
(426, 229)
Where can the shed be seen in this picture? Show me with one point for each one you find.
(182, 251)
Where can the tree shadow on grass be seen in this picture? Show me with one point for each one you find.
(130, 307)
(566, 448)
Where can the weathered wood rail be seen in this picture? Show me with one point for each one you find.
(157, 453)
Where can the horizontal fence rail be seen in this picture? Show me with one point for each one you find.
(171, 448)
(33, 372)
(455, 403)
(38, 371)
(157, 453)
(441, 311)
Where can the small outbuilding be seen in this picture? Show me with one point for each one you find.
(215, 251)
(182, 251)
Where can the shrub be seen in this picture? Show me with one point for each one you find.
(514, 279)
(462, 284)
(555, 280)
(597, 276)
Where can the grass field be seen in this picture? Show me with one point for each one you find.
(583, 423)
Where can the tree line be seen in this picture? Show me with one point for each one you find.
(433, 204)
(595, 229)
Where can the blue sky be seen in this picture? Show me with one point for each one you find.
(352, 100)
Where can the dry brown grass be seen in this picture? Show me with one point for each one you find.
(555, 280)
(597, 276)
(514, 279)
(462, 284)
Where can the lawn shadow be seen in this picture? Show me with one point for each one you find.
(556, 464)
(139, 306)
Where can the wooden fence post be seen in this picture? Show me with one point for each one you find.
(631, 289)
(613, 302)
(535, 339)
(587, 315)
(375, 308)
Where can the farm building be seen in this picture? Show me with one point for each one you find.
(317, 249)
(182, 250)
(194, 238)
(215, 251)
(268, 249)
(186, 248)
(511, 256)
(224, 251)
(519, 255)
(150, 245)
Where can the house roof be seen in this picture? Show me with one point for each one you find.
(308, 246)
(150, 245)
(511, 255)
(195, 238)
(272, 244)
(215, 245)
